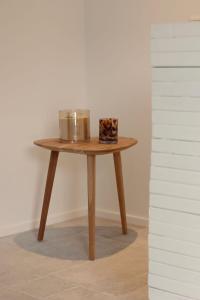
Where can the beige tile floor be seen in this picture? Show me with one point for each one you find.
(58, 268)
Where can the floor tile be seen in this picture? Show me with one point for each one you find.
(138, 294)
(80, 293)
(58, 268)
(45, 286)
(17, 274)
(14, 295)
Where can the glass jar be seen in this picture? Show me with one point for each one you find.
(108, 131)
(74, 125)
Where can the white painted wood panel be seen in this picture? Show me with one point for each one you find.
(174, 226)
(176, 118)
(175, 273)
(176, 44)
(161, 31)
(172, 245)
(175, 189)
(175, 259)
(176, 147)
(176, 132)
(176, 104)
(176, 89)
(182, 162)
(176, 74)
(175, 203)
(179, 59)
(175, 218)
(155, 294)
(174, 175)
(186, 29)
(174, 286)
(183, 233)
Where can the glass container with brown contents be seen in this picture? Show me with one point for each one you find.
(74, 125)
(108, 131)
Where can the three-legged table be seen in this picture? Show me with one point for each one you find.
(91, 149)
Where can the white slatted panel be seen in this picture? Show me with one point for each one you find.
(177, 287)
(183, 162)
(176, 89)
(176, 104)
(172, 272)
(176, 232)
(174, 226)
(173, 245)
(175, 30)
(176, 218)
(175, 203)
(175, 44)
(175, 259)
(175, 175)
(175, 74)
(179, 59)
(175, 189)
(155, 294)
(174, 132)
(176, 147)
(176, 118)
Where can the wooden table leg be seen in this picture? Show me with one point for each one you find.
(47, 194)
(91, 177)
(120, 189)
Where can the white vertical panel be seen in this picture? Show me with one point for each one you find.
(175, 132)
(174, 232)
(175, 286)
(178, 59)
(175, 175)
(182, 233)
(176, 147)
(182, 162)
(176, 89)
(161, 31)
(172, 272)
(175, 44)
(176, 218)
(175, 203)
(175, 259)
(172, 245)
(175, 30)
(164, 103)
(175, 189)
(155, 294)
(176, 118)
(180, 75)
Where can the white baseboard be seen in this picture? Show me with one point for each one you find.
(115, 216)
(52, 219)
(66, 216)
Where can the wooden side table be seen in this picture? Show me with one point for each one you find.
(91, 149)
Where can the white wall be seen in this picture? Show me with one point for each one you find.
(42, 70)
(175, 177)
(119, 84)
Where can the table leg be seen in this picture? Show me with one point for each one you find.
(91, 176)
(47, 194)
(120, 189)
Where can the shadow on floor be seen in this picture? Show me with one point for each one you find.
(72, 242)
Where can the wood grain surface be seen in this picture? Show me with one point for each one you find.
(91, 147)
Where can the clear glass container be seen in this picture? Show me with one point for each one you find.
(74, 125)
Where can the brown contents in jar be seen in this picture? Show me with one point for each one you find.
(108, 131)
(74, 129)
